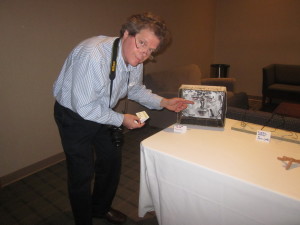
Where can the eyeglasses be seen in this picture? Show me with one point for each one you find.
(142, 45)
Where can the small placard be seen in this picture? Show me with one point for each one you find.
(178, 128)
(263, 136)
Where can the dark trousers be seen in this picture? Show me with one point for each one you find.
(90, 154)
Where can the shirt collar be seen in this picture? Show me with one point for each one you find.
(121, 62)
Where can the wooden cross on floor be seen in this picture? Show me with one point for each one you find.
(290, 161)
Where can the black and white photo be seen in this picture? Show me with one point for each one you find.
(209, 105)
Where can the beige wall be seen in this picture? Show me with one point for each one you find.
(251, 34)
(37, 35)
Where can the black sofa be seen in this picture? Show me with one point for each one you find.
(282, 82)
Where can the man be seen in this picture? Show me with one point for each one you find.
(86, 94)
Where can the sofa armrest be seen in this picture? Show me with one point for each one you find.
(268, 76)
(238, 100)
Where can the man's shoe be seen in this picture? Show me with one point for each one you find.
(114, 216)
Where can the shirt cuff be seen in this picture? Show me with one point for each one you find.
(117, 119)
(157, 101)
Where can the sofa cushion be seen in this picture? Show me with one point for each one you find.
(287, 74)
(285, 88)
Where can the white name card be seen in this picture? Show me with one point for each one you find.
(143, 116)
(263, 136)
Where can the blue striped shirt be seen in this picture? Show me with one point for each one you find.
(83, 84)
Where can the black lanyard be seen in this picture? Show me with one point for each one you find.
(113, 65)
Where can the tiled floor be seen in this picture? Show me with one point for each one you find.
(41, 199)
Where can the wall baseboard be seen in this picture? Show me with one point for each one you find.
(26, 171)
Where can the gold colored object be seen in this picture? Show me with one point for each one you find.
(290, 161)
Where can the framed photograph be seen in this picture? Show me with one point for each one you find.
(209, 108)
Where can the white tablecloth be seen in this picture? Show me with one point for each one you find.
(218, 176)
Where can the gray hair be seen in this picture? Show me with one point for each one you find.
(138, 22)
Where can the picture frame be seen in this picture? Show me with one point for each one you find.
(209, 108)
